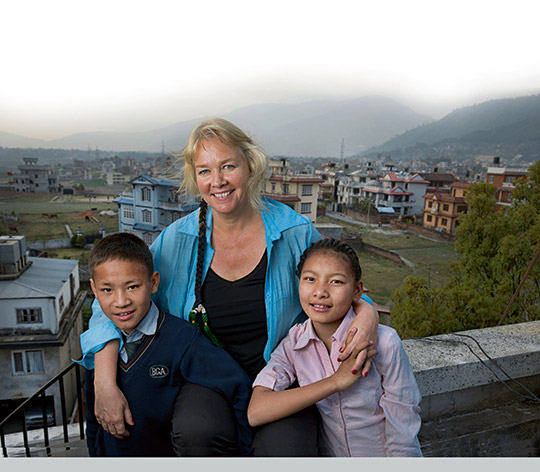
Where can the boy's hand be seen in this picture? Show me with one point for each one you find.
(112, 411)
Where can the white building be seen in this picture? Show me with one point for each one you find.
(349, 187)
(151, 206)
(34, 178)
(40, 324)
(401, 192)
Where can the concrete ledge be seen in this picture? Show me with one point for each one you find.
(472, 408)
(451, 362)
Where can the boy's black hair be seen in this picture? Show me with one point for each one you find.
(123, 246)
(337, 246)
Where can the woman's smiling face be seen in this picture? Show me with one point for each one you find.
(222, 176)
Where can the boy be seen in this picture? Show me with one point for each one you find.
(160, 352)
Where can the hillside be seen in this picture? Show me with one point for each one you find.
(505, 126)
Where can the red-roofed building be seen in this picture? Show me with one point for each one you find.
(504, 178)
(441, 209)
(402, 192)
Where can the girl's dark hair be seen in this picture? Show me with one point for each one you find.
(333, 245)
(122, 246)
(198, 315)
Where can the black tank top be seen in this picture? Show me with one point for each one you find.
(237, 315)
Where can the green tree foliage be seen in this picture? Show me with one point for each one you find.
(78, 241)
(496, 247)
(365, 204)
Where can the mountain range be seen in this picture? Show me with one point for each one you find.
(509, 126)
(366, 126)
(314, 128)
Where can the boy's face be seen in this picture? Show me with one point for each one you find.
(123, 289)
(327, 288)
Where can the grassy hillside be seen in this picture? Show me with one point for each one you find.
(427, 258)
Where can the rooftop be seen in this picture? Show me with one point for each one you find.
(44, 278)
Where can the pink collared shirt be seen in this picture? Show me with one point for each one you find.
(377, 416)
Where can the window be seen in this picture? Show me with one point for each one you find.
(27, 362)
(273, 188)
(445, 207)
(306, 208)
(129, 213)
(285, 189)
(307, 189)
(29, 315)
(147, 238)
(145, 194)
(175, 216)
(490, 179)
(429, 218)
(510, 179)
(444, 222)
(429, 204)
(61, 303)
(147, 216)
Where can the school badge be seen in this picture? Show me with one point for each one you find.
(159, 371)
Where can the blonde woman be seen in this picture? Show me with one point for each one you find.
(230, 269)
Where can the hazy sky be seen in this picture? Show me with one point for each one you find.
(116, 65)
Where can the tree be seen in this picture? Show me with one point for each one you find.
(496, 248)
(78, 241)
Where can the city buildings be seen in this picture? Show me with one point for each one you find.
(296, 190)
(441, 209)
(35, 178)
(152, 205)
(402, 192)
(504, 179)
(40, 324)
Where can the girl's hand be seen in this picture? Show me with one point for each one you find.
(363, 328)
(347, 375)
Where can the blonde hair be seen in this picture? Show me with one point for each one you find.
(225, 131)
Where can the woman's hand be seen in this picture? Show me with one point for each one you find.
(111, 407)
(363, 328)
(346, 375)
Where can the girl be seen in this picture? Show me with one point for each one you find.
(375, 416)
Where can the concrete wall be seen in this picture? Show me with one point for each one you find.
(475, 406)
(49, 244)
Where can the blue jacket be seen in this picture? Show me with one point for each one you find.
(288, 234)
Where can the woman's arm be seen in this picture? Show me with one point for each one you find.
(111, 407)
(267, 405)
(363, 328)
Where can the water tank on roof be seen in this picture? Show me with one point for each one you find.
(12, 255)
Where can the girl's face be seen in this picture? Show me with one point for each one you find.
(327, 287)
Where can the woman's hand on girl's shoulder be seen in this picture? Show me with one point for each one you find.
(362, 330)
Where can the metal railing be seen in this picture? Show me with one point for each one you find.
(20, 412)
